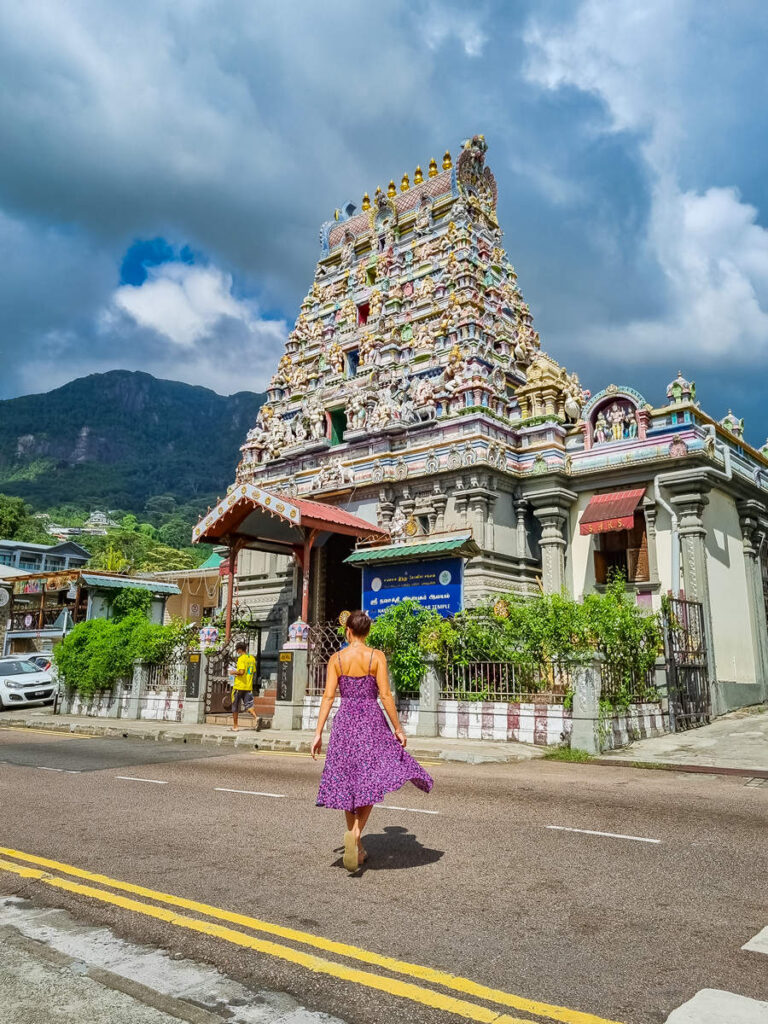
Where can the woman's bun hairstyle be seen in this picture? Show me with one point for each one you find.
(359, 624)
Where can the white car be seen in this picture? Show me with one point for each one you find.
(23, 684)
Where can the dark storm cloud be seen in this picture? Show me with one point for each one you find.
(624, 139)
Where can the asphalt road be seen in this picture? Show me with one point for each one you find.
(491, 888)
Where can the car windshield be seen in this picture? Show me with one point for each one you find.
(16, 668)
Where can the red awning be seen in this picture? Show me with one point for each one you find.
(608, 512)
(254, 515)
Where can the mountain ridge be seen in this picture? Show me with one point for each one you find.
(116, 439)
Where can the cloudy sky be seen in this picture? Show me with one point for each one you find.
(166, 165)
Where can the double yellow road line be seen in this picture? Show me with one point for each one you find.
(61, 876)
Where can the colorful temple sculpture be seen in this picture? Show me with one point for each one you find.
(414, 393)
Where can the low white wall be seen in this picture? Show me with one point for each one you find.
(100, 705)
(544, 725)
(162, 705)
(639, 722)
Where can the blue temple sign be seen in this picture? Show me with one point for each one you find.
(437, 583)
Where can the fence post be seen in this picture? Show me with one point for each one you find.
(429, 694)
(133, 703)
(117, 695)
(585, 734)
(194, 700)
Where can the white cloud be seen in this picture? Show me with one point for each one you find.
(440, 23)
(709, 245)
(184, 303)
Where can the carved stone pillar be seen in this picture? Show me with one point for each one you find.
(649, 507)
(689, 505)
(552, 508)
(521, 510)
(439, 504)
(461, 504)
(385, 510)
(689, 499)
(749, 513)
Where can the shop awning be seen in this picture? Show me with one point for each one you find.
(461, 545)
(128, 583)
(606, 513)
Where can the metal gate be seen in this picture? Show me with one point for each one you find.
(323, 641)
(218, 680)
(687, 671)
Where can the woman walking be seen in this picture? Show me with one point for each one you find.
(365, 759)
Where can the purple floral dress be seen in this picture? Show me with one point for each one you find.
(364, 760)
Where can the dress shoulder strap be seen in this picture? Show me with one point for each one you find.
(370, 663)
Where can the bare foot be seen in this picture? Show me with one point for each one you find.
(362, 855)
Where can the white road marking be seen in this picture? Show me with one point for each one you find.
(759, 944)
(67, 771)
(416, 810)
(133, 778)
(711, 1004)
(249, 792)
(609, 835)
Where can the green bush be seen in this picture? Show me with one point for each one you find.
(537, 631)
(100, 651)
(398, 634)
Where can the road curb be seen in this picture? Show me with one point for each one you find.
(259, 740)
(671, 766)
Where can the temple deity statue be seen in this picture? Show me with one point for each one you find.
(601, 429)
(615, 418)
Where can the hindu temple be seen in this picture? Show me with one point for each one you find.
(418, 442)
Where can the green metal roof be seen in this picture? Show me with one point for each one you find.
(459, 545)
(128, 583)
(213, 561)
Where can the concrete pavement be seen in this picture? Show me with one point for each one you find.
(54, 970)
(737, 740)
(574, 893)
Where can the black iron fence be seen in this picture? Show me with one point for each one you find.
(507, 682)
(687, 667)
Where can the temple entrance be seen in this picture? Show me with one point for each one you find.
(343, 583)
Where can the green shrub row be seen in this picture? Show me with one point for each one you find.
(517, 630)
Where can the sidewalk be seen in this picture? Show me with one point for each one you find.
(426, 748)
(738, 740)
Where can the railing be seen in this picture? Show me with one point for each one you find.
(506, 682)
(164, 690)
(323, 641)
(30, 618)
(621, 688)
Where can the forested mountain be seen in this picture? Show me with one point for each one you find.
(113, 440)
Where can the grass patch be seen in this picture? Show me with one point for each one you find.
(567, 754)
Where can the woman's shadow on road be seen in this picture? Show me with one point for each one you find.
(393, 849)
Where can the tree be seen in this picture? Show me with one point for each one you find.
(18, 522)
(177, 533)
(130, 522)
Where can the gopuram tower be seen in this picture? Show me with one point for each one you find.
(413, 392)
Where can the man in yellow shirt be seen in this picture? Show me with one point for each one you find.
(242, 689)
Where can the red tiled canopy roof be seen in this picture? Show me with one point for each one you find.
(613, 511)
(280, 519)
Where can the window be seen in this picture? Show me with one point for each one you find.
(363, 312)
(353, 361)
(6, 559)
(338, 425)
(625, 551)
(370, 275)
